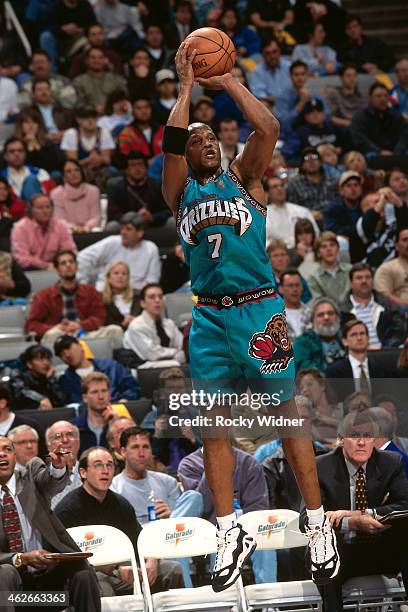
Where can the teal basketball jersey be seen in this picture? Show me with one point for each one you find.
(222, 232)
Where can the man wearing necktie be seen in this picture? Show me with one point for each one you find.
(357, 371)
(29, 530)
(359, 484)
(156, 340)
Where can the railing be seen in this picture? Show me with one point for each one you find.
(13, 22)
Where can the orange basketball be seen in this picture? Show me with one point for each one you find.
(215, 52)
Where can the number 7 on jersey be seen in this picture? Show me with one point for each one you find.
(217, 239)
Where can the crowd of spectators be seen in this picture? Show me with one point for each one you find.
(81, 129)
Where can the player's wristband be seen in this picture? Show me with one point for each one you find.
(174, 140)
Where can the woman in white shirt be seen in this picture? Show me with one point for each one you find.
(320, 59)
(89, 144)
(120, 300)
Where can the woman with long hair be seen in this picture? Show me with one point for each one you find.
(11, 209)
(303, 255)
(120, 300)
(76, 201)
(41, 152)
(320, 59)
(246, 41)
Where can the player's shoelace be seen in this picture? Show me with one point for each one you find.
(226, 546)
(233, 549)
(323, 552)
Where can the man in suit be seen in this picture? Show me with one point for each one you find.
(184, 20)
(359, 484)
(29, 531)
(357, 371)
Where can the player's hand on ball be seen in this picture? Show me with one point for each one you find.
(215, 82)
(184, 64)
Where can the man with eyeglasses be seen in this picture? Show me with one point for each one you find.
(96, 504)
(65, 435)
(312, 188)
(360, 484)
(25, 442)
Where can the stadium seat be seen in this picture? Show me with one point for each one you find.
(12, 322)
(177, 538)
(11, 350)
(148, 379)
(139, 408)
(46, 418)
(178, 307)
(275, 529)
(41, 279)
(110, 546)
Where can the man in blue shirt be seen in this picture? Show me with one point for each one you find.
(122, 385)
(270, 80)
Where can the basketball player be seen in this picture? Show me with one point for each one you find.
(239, 326)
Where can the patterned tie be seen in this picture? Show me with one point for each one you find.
(361, 504)
(361, 490)
(11, 522)
(364, 386)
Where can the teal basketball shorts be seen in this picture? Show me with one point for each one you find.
(243, 345)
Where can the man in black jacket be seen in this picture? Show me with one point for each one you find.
(95, 504)
(386, 325)
(359, 484)
(373, 237)
(37, 386)
(357, 371)
(378, 128)
(135, 192)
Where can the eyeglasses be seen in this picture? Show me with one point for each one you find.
(26, 442)
(99, 465)
(311, 157)
(68, 435)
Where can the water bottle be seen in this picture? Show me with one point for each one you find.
(237, 508)
(151, 507)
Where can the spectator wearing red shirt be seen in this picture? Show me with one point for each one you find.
(143, 134)
(69, 307)
(11, 207)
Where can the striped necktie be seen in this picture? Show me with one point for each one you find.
(11, 522)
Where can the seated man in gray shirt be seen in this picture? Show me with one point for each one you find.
(143, 487)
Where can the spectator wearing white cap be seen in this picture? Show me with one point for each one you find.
(344, 212)
(166, 94)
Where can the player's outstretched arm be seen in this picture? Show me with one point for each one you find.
(175, 168)
(251, 164)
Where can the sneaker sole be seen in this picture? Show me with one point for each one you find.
(217, 588)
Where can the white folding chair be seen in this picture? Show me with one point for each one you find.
(110, 546)
(275, 529)
(178, 307)
(177, 538)
(374, 592)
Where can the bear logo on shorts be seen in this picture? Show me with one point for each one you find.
(273, 346)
